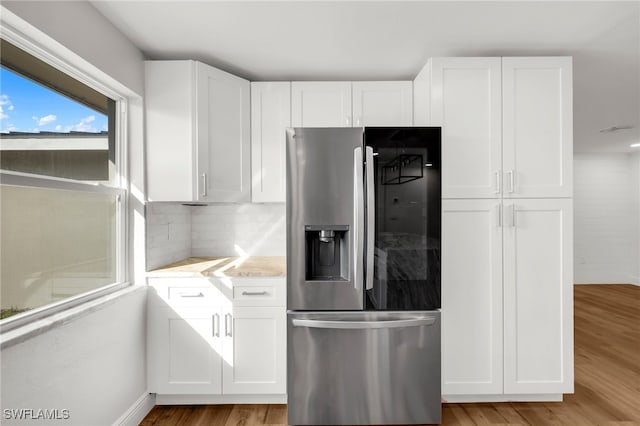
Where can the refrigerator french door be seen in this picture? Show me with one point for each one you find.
(363, 275)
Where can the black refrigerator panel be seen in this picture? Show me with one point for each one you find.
(403, 175)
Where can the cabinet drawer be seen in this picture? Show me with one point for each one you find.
(258, 292)
(186, 292)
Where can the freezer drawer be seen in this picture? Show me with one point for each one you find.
(363, 368)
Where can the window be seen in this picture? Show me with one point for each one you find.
(62, 227)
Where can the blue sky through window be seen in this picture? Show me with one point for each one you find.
(26, 106)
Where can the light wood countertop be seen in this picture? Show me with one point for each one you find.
(254, 266)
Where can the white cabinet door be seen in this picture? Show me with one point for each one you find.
(185, 350)
(223, 126)
(382, 103)
(321, 104)
(270, 116)
(471, 297)
(537, 127)
(466, 102)
(538, 296)
(170, 137)
(197, 133)
(254, 350)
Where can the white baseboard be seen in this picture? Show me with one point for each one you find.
(220, 399)
(137, 412)
(502, 398)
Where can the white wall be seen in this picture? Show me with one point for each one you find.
(606, 218)
(82, 29)
(93, 365)
(635, 195)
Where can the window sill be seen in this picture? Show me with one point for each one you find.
(36, 328)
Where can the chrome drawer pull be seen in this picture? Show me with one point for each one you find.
(254, 293)
(199, 294)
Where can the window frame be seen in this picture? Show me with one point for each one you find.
(119, 186)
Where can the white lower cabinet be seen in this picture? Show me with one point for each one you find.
(471, 297)
(507, 290)
(538, 296)
(254, 351)
(200, 343)
(184, 352)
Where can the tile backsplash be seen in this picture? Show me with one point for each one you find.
(175, 231)
(168, 233)
(234, 229)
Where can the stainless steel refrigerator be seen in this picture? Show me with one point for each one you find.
(363, 275)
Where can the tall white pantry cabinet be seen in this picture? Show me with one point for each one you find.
(507, 279)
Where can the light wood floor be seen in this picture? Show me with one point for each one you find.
(607, 378)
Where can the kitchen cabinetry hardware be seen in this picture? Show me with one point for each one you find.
(204, 185)
(497, 173)
(254, 293)
(511, 181)
(198, 294)
(228, 325)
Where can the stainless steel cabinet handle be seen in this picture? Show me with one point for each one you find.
(511, 215)
(204, 184)
(358, 217)
(511, 181)
(199, 294)
(499, 214)
(350, 325)
(254, 293)
(227, 329)
(216, 325)
(371, 218)
(497, 173)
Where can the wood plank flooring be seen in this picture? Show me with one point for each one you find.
(607, 378)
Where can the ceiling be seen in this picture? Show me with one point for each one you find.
(391, 40)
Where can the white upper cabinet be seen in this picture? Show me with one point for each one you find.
(170, 131)
(351, 104)
(321, 104)
(506, 124)
(465, 102)
(224, 126)
(382, 103)
(197, 133)
(537, 127)
(270, 116)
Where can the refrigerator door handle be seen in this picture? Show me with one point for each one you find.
(358, 217)
(352, 325)
(371, 218)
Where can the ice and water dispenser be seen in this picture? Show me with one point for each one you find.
(327, 252)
